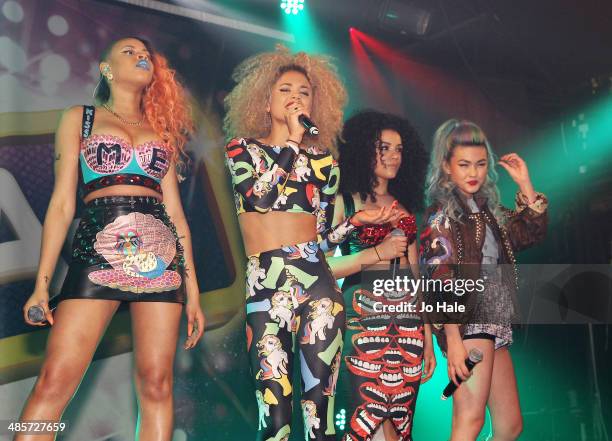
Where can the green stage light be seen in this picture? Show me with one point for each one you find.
(341, 419)
(292, 6)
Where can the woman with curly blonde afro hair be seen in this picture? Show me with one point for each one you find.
(129, 246)
(285, 183)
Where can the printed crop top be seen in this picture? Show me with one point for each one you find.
(110, 160)
(272, 178)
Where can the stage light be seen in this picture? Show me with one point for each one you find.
(404, 17)
(292, 6)
(341, 419)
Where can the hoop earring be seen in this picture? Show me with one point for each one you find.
(93, 95)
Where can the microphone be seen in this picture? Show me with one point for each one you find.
(308, 124)
(474, 357)
(395, 262)
(36, 313)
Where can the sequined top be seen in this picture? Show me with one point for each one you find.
(111, 160)
(274, 178)
(368, 236)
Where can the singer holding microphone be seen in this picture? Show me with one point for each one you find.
(121, 154)
(285, 181)
(383, 166)
(469, 235)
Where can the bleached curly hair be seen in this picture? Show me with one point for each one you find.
(246, 104)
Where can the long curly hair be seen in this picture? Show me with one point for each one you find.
(440, 188)
(358, 153)
(164, 103)
(246, 104)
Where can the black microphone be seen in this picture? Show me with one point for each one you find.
(308, 124)
(395, 262)
(474, 357)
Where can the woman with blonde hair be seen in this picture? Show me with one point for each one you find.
(285, 182)
(469, 235)
(129, 247)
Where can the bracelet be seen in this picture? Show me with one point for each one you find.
(295, 142)
(377, 255)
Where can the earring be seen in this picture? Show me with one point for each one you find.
(107, 73)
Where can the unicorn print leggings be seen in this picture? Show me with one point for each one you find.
(294, 310)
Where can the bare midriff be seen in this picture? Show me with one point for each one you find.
(273, 230)
(122, 190)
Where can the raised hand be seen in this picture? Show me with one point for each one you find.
(518, 171)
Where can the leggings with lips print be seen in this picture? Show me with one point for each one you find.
(295, 310)
(382, 372)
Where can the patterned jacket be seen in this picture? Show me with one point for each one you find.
(453, 249)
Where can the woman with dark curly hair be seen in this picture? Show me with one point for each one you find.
(285, 184)
(383, 164)
(129, 246)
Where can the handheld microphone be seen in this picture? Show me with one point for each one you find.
(36, 313)
(308, 124)
(474, 357)
(395, 262)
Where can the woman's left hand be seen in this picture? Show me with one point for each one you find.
(429, 362)
(380, 215)
(516, 168)
(518, 171)
(195, 322)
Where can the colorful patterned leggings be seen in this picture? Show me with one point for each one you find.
(293, 302)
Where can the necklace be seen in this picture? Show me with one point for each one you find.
(116, 115)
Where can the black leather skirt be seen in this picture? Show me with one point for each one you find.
(125, 248)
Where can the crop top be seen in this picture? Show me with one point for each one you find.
(272, 178)
(108, 160)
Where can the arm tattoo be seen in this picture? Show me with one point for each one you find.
(58, 156)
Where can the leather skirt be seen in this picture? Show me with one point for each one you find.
(125, 248)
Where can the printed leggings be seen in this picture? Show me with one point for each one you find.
(383, 353)
(293, 302)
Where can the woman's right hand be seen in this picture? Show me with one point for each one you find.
(456, 356)
(294, 109)
(392, 247)
(40, 298)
